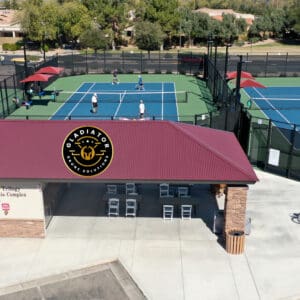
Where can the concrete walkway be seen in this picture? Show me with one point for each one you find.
(179, 259)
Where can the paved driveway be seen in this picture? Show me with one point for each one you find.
(177, 259)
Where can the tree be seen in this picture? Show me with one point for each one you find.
(201, 25)
(241, 25)
(74, 19)
(277, 18)
(186, 22)
(148, 36)
(109, 14)
(229, 27)
(261, 25)
(94, 38)
(295, 19)
(10, 4)
(39, 21)
(163, 12)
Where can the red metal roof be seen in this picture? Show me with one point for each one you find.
(143, 151)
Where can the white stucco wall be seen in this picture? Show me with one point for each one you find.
(21, 200)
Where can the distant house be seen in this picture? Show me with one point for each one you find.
(217, 14)
(10, 30)
(129, 31)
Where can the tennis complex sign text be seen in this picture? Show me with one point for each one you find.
(87, 151)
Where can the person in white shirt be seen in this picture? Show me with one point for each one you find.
(142, 109)
(94, 103)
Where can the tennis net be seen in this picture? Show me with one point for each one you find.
(117, 97)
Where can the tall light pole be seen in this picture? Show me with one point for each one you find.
(209, 45)
(215, 67)
(43, 40)
(227, 45)
(25, 55)
(238, 79)
(180, 35)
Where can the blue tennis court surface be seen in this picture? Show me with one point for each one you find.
(280, 104)
(120, 101)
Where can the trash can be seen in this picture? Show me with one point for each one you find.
(235, 241)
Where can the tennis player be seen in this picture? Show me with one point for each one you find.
(94, 103)
(142, 109)
(115, 79)
(140, 84)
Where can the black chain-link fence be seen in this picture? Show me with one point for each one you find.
(132, 62)
(274, 146)
(267, 65)
(11, 87)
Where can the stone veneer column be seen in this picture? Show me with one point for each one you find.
(235, 208)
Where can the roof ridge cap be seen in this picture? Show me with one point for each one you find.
(214, 151)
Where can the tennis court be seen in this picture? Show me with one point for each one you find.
(280, 104)
(173, 97)
(122, 101)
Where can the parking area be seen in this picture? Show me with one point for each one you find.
(170, 259)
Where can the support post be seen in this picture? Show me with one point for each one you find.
(25, 56)
(238, 80)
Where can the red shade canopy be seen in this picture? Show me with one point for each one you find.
(233, 75)
(50, 70)
(37, 77)
(251, 83)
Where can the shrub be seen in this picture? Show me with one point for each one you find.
(5, 46)
(11, 47)
(33, 58)
(239, 43)
(254, 40)
(169, 55)
(46, 48)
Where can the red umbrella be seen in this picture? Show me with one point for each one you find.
(50, 70)
(233, 75)
(37, 77)
(251, 83)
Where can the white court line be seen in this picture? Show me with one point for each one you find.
(174, 88)
(69, 98)
(65, 102)
(75, 106)
(264, 98)
(120, 103)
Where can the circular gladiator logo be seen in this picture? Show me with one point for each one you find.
(87, 151)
